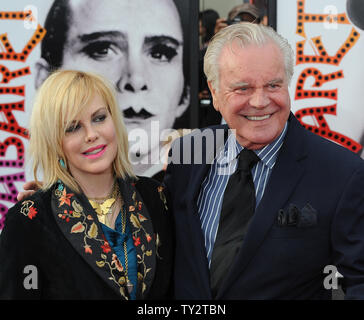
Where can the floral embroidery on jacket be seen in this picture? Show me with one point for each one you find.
(162, 196)
(28, 210)
(137, 219)
(77, 221)
(65, 198)
(157, 245)
(88, 229)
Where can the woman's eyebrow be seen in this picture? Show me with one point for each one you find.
(92, 115)
(98, 110)
(163, 39)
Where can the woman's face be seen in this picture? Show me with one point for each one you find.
(89, 144)
(138, 45)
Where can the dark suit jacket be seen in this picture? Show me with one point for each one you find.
(73, 260)
(316, 180)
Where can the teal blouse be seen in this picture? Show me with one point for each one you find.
(116, 240)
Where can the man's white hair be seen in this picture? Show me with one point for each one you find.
(248, 34)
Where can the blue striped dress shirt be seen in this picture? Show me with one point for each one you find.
(211, 195)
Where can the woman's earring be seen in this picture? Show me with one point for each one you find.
(61, 162)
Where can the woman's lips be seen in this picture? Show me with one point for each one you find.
(95, 152)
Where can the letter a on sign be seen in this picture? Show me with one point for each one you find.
(31, 280)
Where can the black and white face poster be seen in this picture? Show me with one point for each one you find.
(140, 46)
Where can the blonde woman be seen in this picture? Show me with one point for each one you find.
(93, 230)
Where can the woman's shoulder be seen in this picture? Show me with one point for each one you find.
(30, 206)
(147, 181)
(148, 185)
(151, 190)
(38, 197)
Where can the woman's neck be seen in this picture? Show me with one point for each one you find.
(96, 186)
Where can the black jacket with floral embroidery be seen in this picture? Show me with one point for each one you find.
(53, 247)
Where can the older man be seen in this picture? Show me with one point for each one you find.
(273, 211)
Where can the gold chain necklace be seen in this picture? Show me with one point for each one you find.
(129, 285)
(106, 207)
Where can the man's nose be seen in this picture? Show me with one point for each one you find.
(134, 78)
(259, 98)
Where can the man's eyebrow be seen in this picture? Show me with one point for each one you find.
(242, 84)
(239, 84)
(162, 39)
(101, 34)
(276, 81)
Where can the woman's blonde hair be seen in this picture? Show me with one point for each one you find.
(58, 102)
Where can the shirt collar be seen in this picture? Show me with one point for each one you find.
(268, 154)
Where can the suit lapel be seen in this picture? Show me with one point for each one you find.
(206, 154)
(195, 235)
(286, 174)
(198, 172)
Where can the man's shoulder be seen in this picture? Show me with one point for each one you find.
(329, 152)
(201, 141)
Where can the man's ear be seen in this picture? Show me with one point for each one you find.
(181, 108)
(42, 70)
(213, 94)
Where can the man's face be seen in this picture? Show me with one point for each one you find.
(253, 95)
(138, 45)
